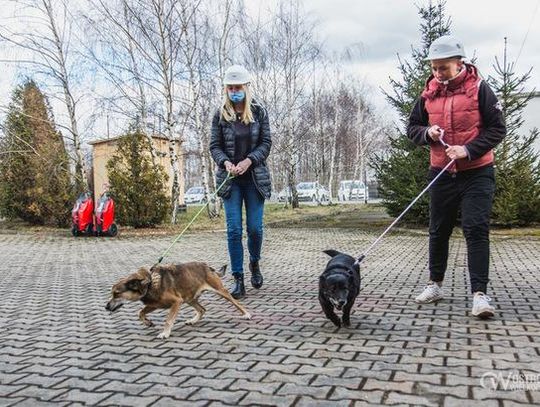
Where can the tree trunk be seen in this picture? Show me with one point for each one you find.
(176, 162)
(140, 86)
(202, 148)
(80, 164)
(291, 157)
(177, 180)
(363, 166)
(334, 149)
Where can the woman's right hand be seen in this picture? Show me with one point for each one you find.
(230, 167)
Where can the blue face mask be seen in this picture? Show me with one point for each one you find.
(237, 96)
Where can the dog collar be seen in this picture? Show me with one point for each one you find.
(342, 268)
(155, 279)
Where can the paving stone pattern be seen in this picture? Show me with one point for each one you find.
(60, 347)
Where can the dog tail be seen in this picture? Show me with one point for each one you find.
(331, 252)
(221, 271)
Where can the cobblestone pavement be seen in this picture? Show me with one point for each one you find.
(60, 347)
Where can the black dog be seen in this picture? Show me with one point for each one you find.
(339, 285)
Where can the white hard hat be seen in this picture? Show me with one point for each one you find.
(446, 46)
(236, 75)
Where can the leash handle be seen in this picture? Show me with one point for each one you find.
(229, 176)
(441, 139)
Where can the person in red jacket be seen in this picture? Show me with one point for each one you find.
(460, 118)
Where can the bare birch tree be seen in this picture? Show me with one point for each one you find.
(336, 82)
(368, 140)
(155, 31)
(282, 54)
(173, 64)
(199, 101)
(112, 48)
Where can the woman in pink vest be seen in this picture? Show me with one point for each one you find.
(459, 107)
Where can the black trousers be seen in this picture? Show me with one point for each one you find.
(471, 191)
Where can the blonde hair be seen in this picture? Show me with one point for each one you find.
(227, 108)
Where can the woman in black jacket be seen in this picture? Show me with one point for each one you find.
(240, 145)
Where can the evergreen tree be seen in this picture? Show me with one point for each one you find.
(401, 171)
(136, 184)
(34, 170)
(16, 148)
(517, 197)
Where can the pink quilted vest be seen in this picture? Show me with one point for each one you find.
(454, 107)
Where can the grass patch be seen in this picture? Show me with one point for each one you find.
(366, 216)
(275, 216)
(328, 216)
(516, 232)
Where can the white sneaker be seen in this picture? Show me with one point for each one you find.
(481, 307)
(431, 293)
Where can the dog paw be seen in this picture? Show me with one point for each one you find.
(147, 322)
(163, 335)
(337, 324)
(347, 324)
(247, 315)
(192, 321)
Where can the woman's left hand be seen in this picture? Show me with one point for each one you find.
(243, 166)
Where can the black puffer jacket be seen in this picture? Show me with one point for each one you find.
(222, 149)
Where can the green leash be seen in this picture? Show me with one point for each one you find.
(229, 176)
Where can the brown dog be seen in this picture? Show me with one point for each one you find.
(168, 287)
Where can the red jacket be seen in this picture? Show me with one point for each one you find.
(454, 107)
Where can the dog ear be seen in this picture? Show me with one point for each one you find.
(137, 285)
(331, 252)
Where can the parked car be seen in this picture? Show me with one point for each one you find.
(285, 195)
(350, 190)
(194, 195)
(312, 191)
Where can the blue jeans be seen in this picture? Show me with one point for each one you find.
(244, 191)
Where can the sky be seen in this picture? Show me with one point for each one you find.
(386, 28)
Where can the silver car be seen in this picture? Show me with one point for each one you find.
(194, 195)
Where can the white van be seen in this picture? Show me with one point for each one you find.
(350, 190)
(312, 191)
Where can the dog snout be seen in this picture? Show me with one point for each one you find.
(109, 306)
(341, 303)
(113, 305)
